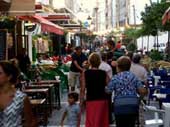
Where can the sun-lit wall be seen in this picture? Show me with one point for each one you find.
(139, 6)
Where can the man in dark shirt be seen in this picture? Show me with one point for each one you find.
(78, 58)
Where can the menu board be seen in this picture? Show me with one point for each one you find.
(3, 44)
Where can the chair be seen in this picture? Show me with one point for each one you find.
(156, 122)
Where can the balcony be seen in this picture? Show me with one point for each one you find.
(4, 5)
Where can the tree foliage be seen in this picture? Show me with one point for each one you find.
(133, 33)
(131, 47)
(152, 18)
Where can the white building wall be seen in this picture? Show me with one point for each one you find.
(162, 38)
(101, 15)
(57, 4)
(139, 7)
(109, 14)
(105, 22)
(114, 13)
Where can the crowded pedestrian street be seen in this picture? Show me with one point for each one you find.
(54, 120)
(84, 63)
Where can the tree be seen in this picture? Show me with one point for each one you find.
(152, 18)
(132, 34)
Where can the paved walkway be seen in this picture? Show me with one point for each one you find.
(55, 119)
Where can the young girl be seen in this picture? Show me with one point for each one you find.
(7, 92)
(72, 111)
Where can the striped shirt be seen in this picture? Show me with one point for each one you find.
(12, 115)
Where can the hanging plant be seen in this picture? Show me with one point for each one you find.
(7, 22)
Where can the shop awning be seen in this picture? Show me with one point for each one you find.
(166, 16)
(58, 16)
(46, 25)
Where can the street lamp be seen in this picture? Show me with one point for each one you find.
(89, 18)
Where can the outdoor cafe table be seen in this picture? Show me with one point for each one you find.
(38, 104)
(56, 87)
(49, 86)
(44, 91)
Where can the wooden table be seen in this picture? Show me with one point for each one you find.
(40, 86)
(28, 91)
(56, 87)
(38, 106)
(37, 101)
(49, 86)
(44, 91)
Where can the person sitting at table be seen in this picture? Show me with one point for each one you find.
(14, 112)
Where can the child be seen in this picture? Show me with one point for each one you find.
(7, 93)
(72, 111)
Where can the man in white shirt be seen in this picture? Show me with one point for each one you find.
(138, 69)
(105, 66)
(141, 73)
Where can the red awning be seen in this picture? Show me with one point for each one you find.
(166, 16)
(57, 17)
(46, 25)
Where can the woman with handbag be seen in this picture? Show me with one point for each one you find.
(126, 87)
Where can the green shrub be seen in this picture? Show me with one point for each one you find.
(156, 55)
(131, 47)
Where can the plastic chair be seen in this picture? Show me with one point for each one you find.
(156, 122)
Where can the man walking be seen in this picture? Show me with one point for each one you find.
(78, 58)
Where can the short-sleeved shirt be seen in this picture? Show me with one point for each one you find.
(125, 85)
(106, 67)
(12, 115)
(139, 71)
(72, 114)
(80, 59)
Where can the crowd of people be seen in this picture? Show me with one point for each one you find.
(102, 74)
(111, 81)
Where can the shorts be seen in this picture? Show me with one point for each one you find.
(74, 79)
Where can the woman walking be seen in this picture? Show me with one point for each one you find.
(94, 82)
(126, 87)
